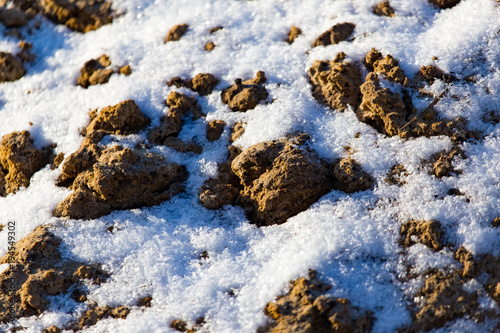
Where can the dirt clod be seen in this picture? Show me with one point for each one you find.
(176, 33)
(429, 233)
(237, 132)
(383, 9)
(215, 29)
(442, 162)
(126, 70)
(215, 129)
(444, 4)
(149, 181)
(95, 72)
(395, 174)
(294, 33)
(145, 302)
(336, 83)
(11, 69)
(52, 329)
(336, 34)
(204, 83)
(13, 17)
(430, 73)
(37, 271)
(25, 54)
(389, 68)
(496, 222)
(245, 95)
(350, 176)
(97, 313)
(305, 309)
(209, 46)
(19, 160)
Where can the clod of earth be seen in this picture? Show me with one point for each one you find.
(52, 329)
(209, 46)
(442, 162)
(305, 309)
(166, 134)
(25, 54)
(176, 33)
(215, 129)
(82, 16)
(122, 179)
(336, 83)
(383, 9)
(237, 131)
(96, 71)
(13, 18)
(11, 69)
(97, 313)
(294, 33)
(444, 4)
(181, 326)
(395, 174)
(389, 68)
(496, 222)
(19, 160)
(336, 34)
(37, 271)
(245, 95)
(215, 29)
(276, 180)
(429, 233)
(203, 83)
(430, 73)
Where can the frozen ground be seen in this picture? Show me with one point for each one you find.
(351, 240)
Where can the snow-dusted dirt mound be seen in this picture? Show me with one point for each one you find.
(249, 166)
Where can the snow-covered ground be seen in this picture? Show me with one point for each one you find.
(350, 239)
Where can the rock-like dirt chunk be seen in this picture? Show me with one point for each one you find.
(19, 160)
(444, 4)
(245, 95)
(176, 33)
(336, 83)
(305, 309)
(383, 9)
(95, 72)
(350, 176)
(11, 69)
(203, 83)
(122, 179)
(429, 233)
(37, 271)
(96, 313)
(13, 17)
(215, 129)
(293, 34)
(336, 34)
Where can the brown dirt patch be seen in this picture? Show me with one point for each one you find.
(52, 329)
(149, 181)
(336, 83)
(394, 177)
(275, 180)
(305, 309)
(496, 222)
(245, 95)
(11, 69)
(215, 129)
(13, 18)
(444, 4)
(25, 54)
(383, 9)
(429, 233)
(430, 73)
(294, 33)
(98, 71)
(442, 162)
(82, 16)
(389, 68)
(166, 134)
(209, 46)
(336, 34)
(97, 313)
(203, 83)
(176, 33)
(237, 131)
(19, 160)
(36, 271)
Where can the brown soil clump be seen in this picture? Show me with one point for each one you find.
(383, 9)
(97, 313)
(430, 73)
(36, 271)
(25, 54)
(389, 68)
(215, 129)
(145, 302)
(245, 95)
(442, 162)
(350, 177)
(276, 180)
(176, 33)
(294, 33)
(444, 4)
(336, 83)
(215, 29)
(203, 83)
(305, 309)
(52, 329)
(395, 174)
(82, 16)
(166, 134)
(11, 69)
(237, 131)
(209, 46)
(19, 160)
(496, 222)
(13, 18)
(122, 179)
(429, 233)
(336, 34)
(97, 71)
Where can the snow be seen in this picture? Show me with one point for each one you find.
(351, 240)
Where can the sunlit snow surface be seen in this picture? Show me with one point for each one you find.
(351, 240)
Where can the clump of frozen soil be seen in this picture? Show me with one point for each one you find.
(245, 95)
(203, 83)
(215, 129)
(336, 34)
(11, 68)
(445, 4)
(383, 9)
(305, 309)
(19, 160)
(82, 16)
(97, 71)
(293, 34)
(176, 33)
(37, 271)
(429, 233)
